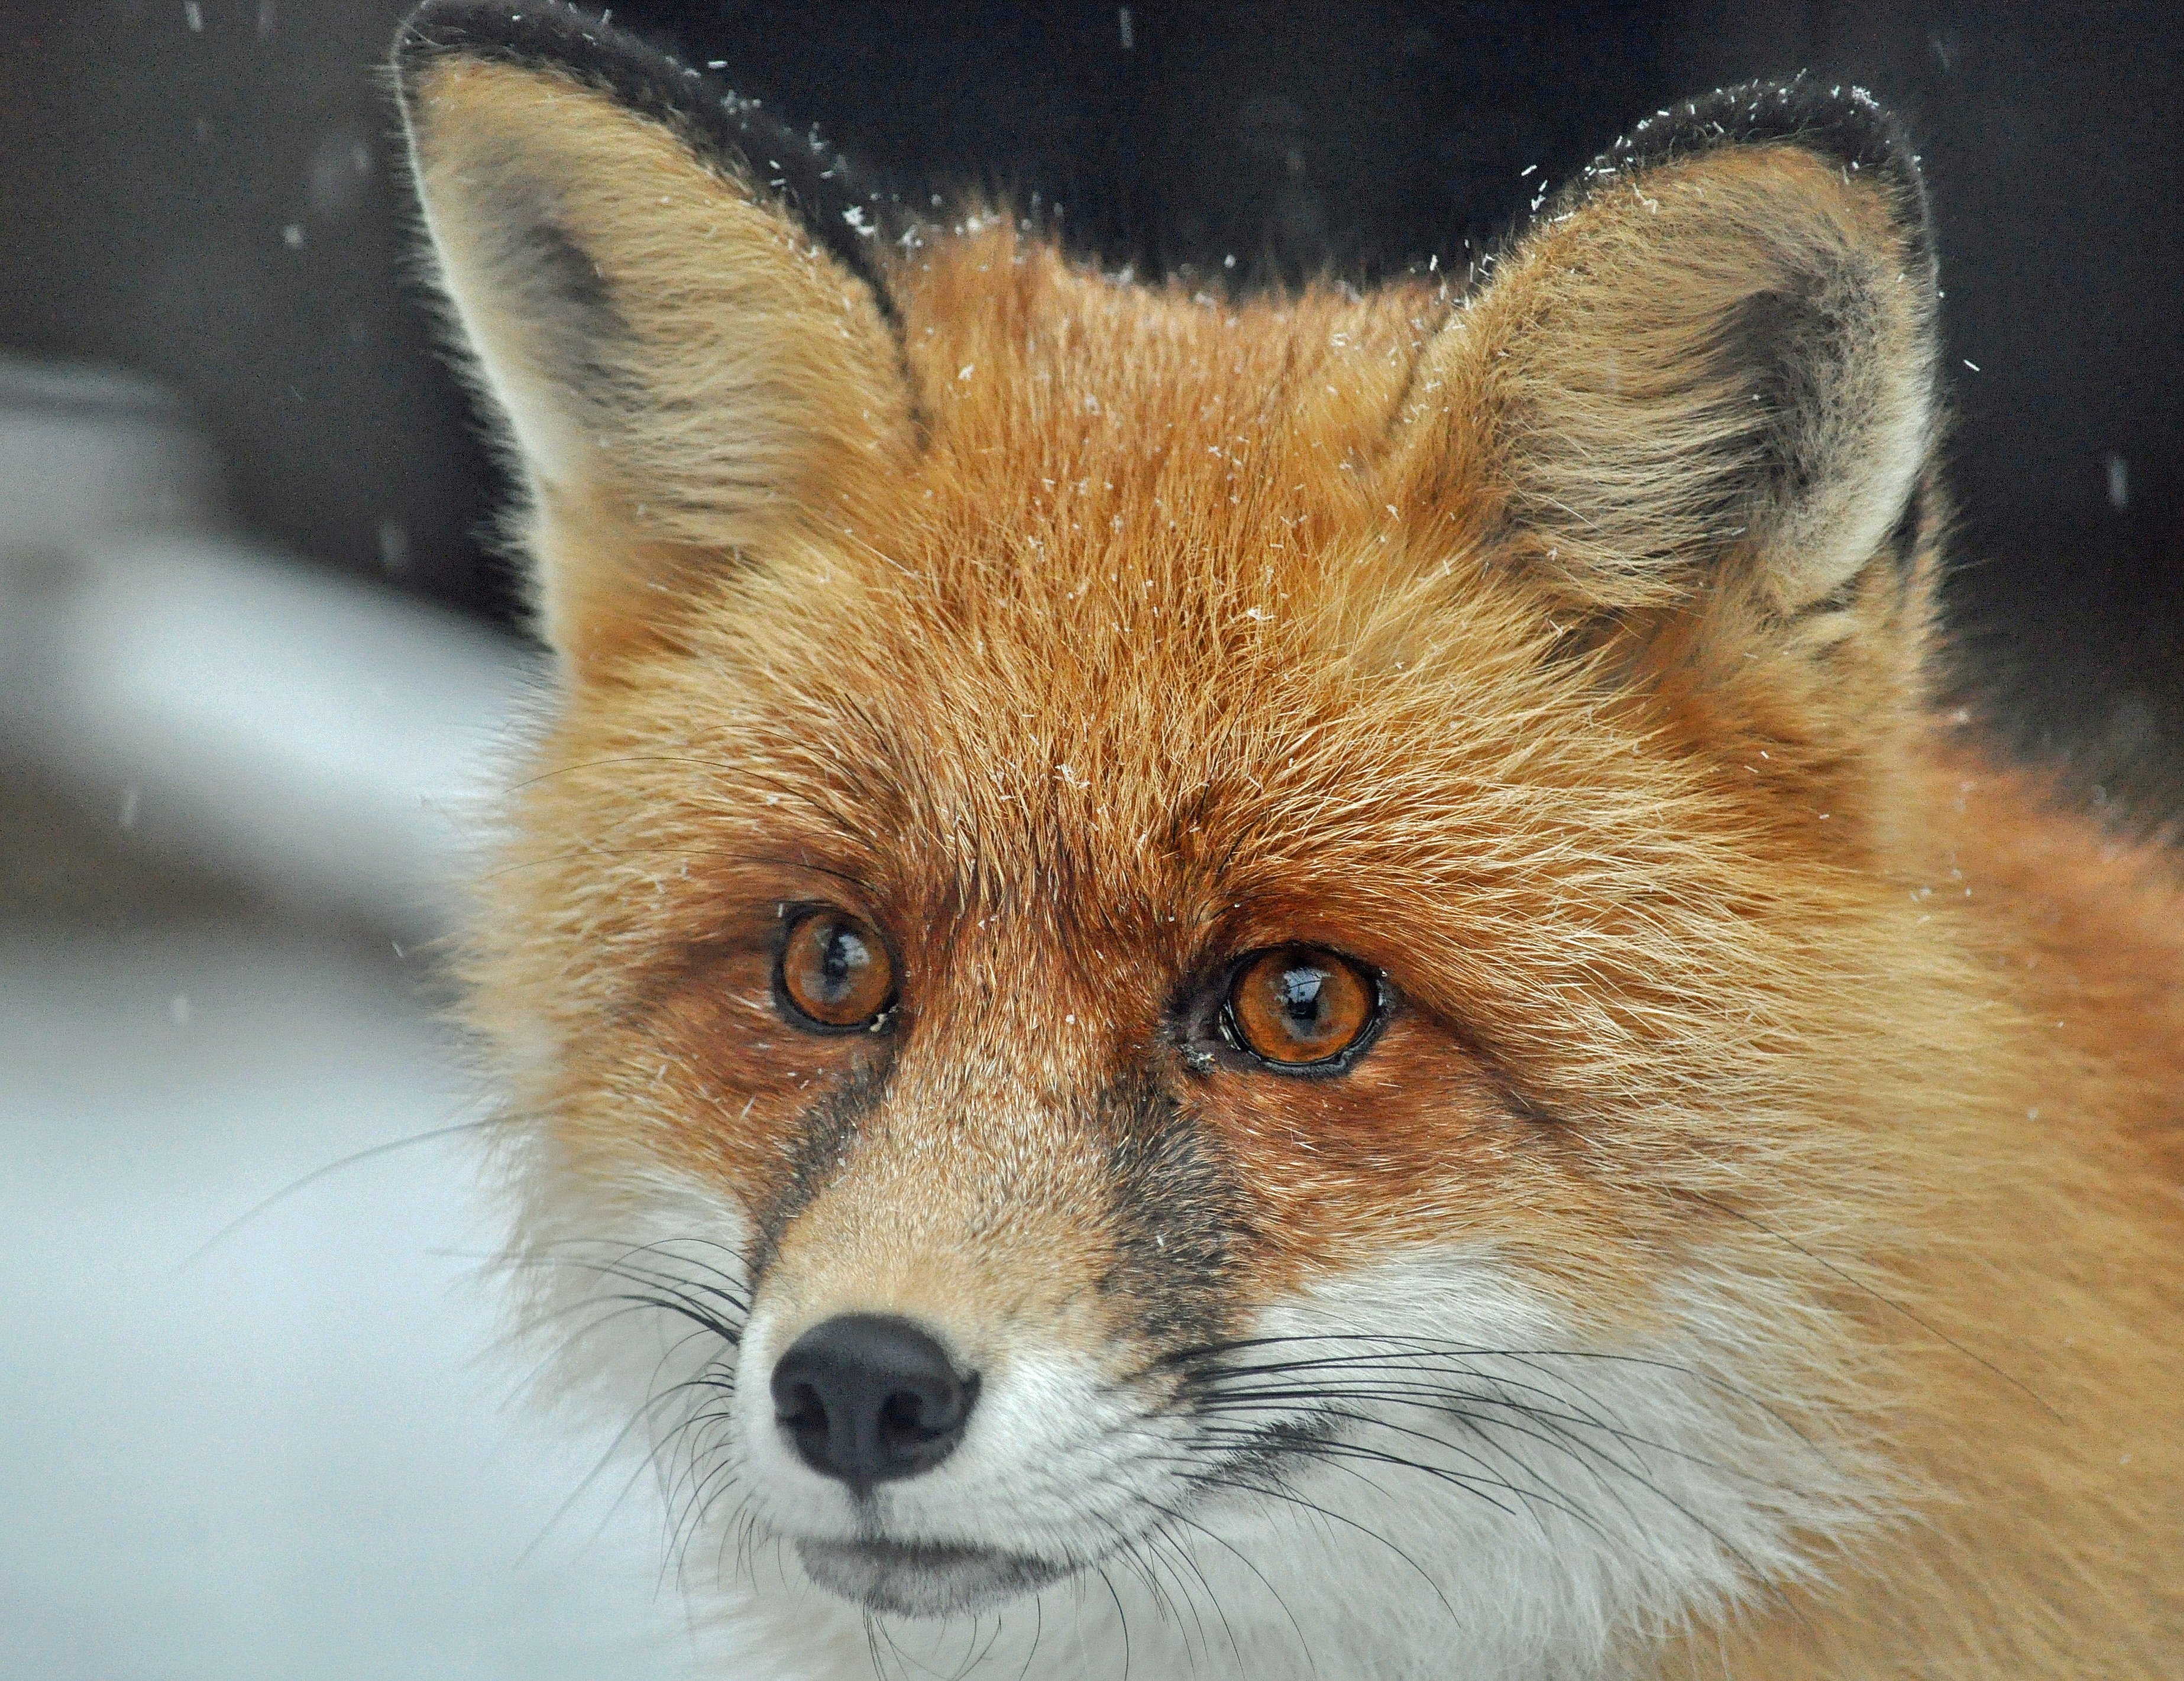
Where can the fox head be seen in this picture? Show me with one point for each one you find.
(1246, 948)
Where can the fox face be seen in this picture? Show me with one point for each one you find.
(1228, 973)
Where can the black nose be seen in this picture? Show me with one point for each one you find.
(867, 1398)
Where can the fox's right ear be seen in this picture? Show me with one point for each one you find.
(1695, 403)
(676, 307)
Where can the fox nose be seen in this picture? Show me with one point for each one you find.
(867, 1398)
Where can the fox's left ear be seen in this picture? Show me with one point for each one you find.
(677, 307)
(1704, 383)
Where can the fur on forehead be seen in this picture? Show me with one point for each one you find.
(967, 540)
(1709, 370)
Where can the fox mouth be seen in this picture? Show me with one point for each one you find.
(919, 1579)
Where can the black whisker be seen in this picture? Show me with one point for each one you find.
(1173, 1515)
(1291, 1497)
(606, 1458)
(1122, 1617)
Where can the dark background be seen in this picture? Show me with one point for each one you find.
(207, 194)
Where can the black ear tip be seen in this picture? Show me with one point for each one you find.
(536, 31)
(1840, 122)
(443, 24)
(541, 33)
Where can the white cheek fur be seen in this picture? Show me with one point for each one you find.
(619, 1277)
(1503, 1499)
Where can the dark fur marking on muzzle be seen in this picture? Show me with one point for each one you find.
(1178, 1215)
(828, 1132)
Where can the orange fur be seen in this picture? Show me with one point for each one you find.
(1159, 626)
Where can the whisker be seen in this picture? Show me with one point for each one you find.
(1177, 1516)
(1292, 1497)
(1334, 1448)
(1122, 1617)
(1150, 1543)
(370, 1153)
(605, 1459)
(1855, 1284)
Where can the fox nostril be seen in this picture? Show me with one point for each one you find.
(868, 1398)
(803, 1411)
(903, 1417)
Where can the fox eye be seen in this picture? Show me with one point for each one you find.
(833, 973)
(1300, 1008)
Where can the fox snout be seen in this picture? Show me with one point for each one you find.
(971, 1311)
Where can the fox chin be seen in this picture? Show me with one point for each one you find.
(1303, 984)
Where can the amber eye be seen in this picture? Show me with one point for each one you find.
(1299, 1005)
(834, 971)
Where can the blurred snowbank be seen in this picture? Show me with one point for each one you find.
(326, 742)
(288, 1451)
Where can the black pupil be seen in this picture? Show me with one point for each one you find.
(842, 960)
(1298, 991)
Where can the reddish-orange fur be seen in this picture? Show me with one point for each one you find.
(1176, 625)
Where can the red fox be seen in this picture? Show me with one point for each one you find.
(1299, 985)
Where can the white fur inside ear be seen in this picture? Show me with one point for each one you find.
(519, 333)
(1874, 432)
(1730, 353)
(682, 368)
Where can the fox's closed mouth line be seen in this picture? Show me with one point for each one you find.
(929, 1555)
(916, 1576)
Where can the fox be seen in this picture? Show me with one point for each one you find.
(1195, 980)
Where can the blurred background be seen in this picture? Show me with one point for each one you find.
(257, 664)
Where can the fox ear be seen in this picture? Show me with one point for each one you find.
(1708, 368)
(676, 307)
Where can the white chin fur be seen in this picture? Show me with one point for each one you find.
(1503, 1500)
